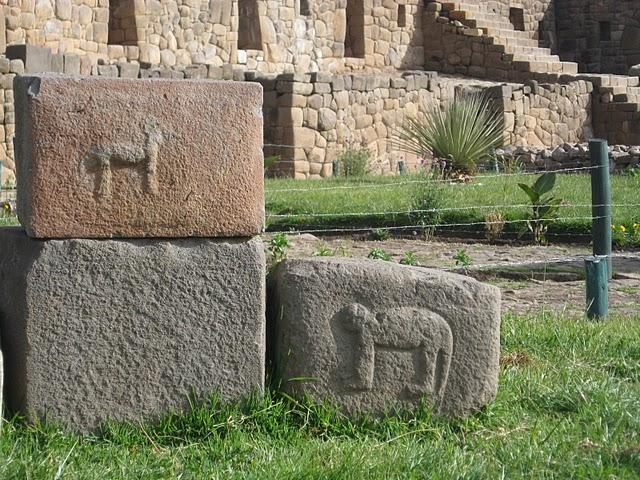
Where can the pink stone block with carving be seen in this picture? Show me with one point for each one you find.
(103, 158)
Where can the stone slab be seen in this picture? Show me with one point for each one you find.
(36, 59)
(110, 157)
(127, 329)
(371, 336)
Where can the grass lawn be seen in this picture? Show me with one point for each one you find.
(568, 406)
(287, 202)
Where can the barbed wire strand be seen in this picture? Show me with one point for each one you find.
(444, 209)
(434, 225)
(434, 181)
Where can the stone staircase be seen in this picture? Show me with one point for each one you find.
(616, 98)
(521, 47)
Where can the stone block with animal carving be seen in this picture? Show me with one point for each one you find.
(110, 157)
(372, 336)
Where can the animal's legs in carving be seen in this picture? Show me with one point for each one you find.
(364, 361)
(104, 187)
(150, 176)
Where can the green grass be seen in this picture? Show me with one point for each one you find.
(395, 194)
(568, 406)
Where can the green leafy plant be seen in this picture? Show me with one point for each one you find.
(380, 234)
(464, 133)
(278, 247)
(323, 251)
(426, 202)
(462, 258)
(545, 207)
(626, 235)
(379, 254)
(409, 258)
(354, 161)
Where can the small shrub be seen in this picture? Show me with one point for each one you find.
(427, 200)
(354, 162)
(465, 132)
(545, 207)
(462, 258)
(379, 254)
(409, 258)
(626, 235)
(494, 226)
(278, 247)
(380, 234)
(323, 251)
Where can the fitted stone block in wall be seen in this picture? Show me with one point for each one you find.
(96, 330)
(36, 59)
(371, 336)
(102, 157)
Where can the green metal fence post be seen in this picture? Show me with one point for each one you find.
(597, 286)
(601, 200)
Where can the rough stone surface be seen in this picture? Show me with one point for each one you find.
(382, 336)
(134, 158)
(126, 329)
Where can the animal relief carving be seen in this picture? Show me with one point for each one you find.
(419, 332)
(102, 159)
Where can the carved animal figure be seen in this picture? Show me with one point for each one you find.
(410, 329)
(103, 158)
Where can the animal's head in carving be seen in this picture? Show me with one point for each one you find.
(353, 317)
(152, 130)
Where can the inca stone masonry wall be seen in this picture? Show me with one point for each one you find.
(602, 35)
(275, 36)
(311, 119)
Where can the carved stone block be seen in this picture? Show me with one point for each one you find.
(102, 157)
(382, 336)
(96, 330)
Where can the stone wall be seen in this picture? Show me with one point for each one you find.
(265, 35)
(567, 155)
(602, 35)
(314, 118)
(311, 119)
(66, 26)
(548, 114)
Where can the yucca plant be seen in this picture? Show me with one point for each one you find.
(463, 134)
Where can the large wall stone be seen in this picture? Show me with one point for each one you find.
(102, 157)
(369, 336)
(126, 330)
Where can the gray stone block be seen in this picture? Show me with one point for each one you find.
(113, 330)
(36, 59)
(372, 336)
(71, 64)
(57, 63)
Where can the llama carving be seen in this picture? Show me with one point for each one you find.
(103, 158)
(411, 330)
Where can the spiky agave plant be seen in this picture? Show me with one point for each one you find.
(464, 133)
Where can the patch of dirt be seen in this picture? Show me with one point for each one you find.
(540, 282)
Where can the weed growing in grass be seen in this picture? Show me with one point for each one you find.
(380, 234)
(462, 258)
(545, 207)
(379, 254)
(354, 161)
(494, 226)
(427, 200)
(409, 258)
(323, 251)
(278, 247)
